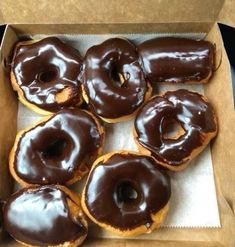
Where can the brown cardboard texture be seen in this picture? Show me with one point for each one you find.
(134, 17)
(109, 11)
(227, 15)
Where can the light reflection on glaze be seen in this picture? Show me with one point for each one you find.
(49, 54)
(108, 98)
(38, 160)
(176, 59)
(40, 216)
(141, 172)
(194, 114)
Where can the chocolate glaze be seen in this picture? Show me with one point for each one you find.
(43, 69)
(196, 117)
(41, 216)
(109, 193)
(52, 151)
(107, 96)
(176, 59)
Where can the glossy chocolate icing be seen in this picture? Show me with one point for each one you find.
(108, 97)
(125, 190)
(176, 59)
(53, 151)
(41, 216)
(43, 69)
(196, 117)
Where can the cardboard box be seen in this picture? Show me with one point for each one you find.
(79, 17)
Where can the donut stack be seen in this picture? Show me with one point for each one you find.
(125, 192)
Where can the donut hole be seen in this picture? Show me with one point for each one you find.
(5, 63)
(117, 77)
(126, 193)
(55, 148)
(172, 129)
(114, 74)
(47, 76)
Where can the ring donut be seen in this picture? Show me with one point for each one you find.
(196, 125)
(113, 81)
(126, 193)
(58, 150)
(45, 75)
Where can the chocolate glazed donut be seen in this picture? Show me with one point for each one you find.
(46, 75)
(126, 193)
(45, 216)
(114, 83)
(196, 122)
(59, 150)
(177, 60)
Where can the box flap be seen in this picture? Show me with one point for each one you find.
(109, 11)
(227, 14)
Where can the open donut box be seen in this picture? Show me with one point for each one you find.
(91, 17)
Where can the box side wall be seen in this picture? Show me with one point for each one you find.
(8, 109)
(220, 93)
(109, 11)
(87, 28)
